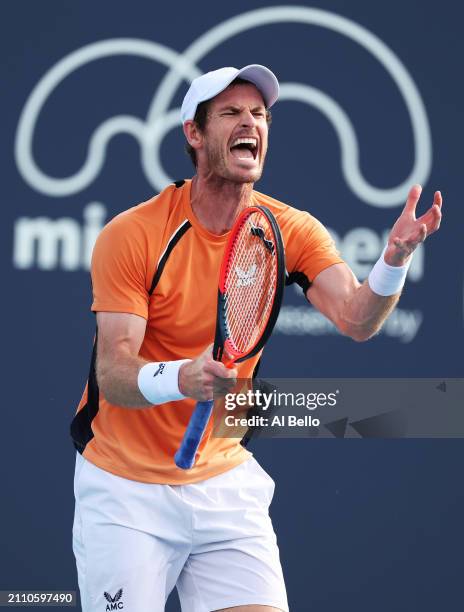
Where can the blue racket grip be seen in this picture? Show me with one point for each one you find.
(185, 456)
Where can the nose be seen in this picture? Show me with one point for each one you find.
(247, 118)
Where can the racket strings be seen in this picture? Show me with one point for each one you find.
(250, 284)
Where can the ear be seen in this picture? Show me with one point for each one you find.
(192, 133)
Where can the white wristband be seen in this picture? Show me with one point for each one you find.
(159, 381)
(387, 280)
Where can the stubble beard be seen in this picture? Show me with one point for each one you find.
(217, 165)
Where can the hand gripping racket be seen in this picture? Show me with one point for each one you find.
(251, 284)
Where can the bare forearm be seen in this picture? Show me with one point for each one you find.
(118, 381)
(118, 378)
(365, 312)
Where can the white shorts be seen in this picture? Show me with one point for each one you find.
(213, 540)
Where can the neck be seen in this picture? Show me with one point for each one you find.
(217, 202)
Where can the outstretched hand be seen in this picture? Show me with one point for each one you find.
(408, 231)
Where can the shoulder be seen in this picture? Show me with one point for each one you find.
(146, 223)
(149, 214)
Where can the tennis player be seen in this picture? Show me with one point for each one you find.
(142, 525)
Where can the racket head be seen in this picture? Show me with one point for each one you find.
(251, 285)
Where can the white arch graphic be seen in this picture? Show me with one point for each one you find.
(102, 135)
(160, 119)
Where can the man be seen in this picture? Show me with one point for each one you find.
(142, 525)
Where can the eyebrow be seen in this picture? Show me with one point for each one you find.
(234, 107)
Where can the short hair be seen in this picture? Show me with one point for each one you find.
(201, 116)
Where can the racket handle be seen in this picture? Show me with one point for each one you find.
(185, 456)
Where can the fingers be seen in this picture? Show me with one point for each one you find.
(435, 220)
(218, 369)
(418, 236)
(413, 199)
(204, 377)
(407, 245)
(413, 231)
(437, 199)
(432, 218)
(436, 212)
(422, 233)
(218, 379)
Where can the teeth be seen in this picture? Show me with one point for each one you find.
(251, 141)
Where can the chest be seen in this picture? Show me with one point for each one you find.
(182, 312)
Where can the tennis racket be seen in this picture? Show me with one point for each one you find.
(251, 284)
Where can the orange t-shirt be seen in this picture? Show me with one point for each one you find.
(157, 261)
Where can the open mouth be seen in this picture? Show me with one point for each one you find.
(244, 148)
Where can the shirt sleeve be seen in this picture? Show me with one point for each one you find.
(119, 268)
(309, 249)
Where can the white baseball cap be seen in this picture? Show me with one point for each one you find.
(212, 83)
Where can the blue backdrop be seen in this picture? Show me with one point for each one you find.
(371, 103)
